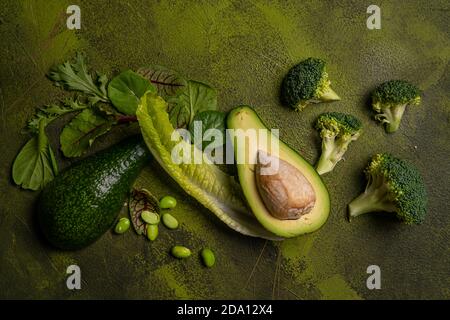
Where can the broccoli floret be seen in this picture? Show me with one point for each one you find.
(390, 99)
(393, 185)
(305, 83)
(337, 130)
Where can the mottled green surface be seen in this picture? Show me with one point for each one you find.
(243, 49)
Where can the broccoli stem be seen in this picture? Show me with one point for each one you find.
(326, 161)
(393, 117)
(333, 149)
(324, 165)
(329, 95)
(302, 104)
(373, 199)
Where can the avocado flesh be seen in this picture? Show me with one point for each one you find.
(83, 202)
(244, 118)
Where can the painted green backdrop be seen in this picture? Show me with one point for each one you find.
(242, 48)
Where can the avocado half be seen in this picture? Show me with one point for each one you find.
(244, 118)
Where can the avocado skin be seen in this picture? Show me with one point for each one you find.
(83, 202)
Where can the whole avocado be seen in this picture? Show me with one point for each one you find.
(83, 202)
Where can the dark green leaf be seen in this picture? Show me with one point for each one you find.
(204, 121)
(126, 89)
(53, 111)
(79, 134)
(75, 76)
(167, 82)
(35, 165)
(195, 97)
(108, 110)
(140, 200)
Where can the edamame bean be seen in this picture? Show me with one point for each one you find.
(122, 225)
(150, 217)
(152, 232)
(180, 252)
(208, 257)
(169, 221)
(167, 202)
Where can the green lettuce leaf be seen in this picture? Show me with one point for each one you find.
(79, 134)
(35, 165)
(52, 112)
(213, 188)
(75, 76)
(167, 82)
(195, 97)
(185, 97)
(208, 120)
(126, 89)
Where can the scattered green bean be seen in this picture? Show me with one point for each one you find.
(122, 225)
(167, 202)
(208, 257)
(150, 217)
(180, 252)
(169, 221)
(152, 232)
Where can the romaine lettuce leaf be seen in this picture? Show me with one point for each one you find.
(213, 188)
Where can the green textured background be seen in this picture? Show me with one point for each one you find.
(242, 48)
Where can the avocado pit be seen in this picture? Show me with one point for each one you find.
(285, 191)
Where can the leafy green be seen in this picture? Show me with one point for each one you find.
(108, 110)
(53, 111)
(75, 76)
(139, 201)
(205, 121)
(35, 165)
(213, 188)
(167, 82)
(81, 131)
(194, 98)
(185, 97)
(102, 105)
(126, 89)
